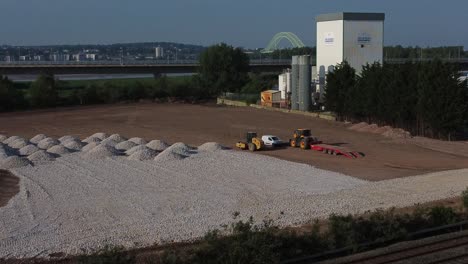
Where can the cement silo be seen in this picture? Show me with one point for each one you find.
(304, 94)
(295, 83)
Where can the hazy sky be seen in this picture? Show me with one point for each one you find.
(247, 23)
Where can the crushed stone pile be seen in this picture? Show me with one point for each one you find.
(14, 162)
(47, 143)
(397, 133)
(101, 151)
(41, 156)
(358, 126)
(37, 138)
(2, 138)
(28, 150)
(3, 152)
(91, 139)
(383, 129)
(68, 138)
(135, 149)
(167, 156)
(138, 141)
(157, 145)
(369, 128)
(146, 154)
(100, 135)
(181, 148)
(74, 145)
(90, 146)
(59, 150)
(117, 138)
(125, 145)
(19, 143)
(109, 142)
(211, 146)
(10, 139)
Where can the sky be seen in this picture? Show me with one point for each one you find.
(241, 23)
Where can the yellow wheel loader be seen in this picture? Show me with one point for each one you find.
(252, 143)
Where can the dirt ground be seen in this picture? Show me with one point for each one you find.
(196, 124)
(9, 186)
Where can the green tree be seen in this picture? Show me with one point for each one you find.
(223, 69)
(10, 97)
(339, 84)
(43, 92)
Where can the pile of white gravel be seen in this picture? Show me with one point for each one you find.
(3, 151)
(47, 143)
(101, 152)
(109, 142)
(19, 143)
(91, 139)
(35, 140)
(211, 146)
(14, 162)
(117, 138)
(138, 140)
(10, 139)
(90, 146)
(41, 157)
(157, 145)
(28, 150)
(74, 145)
(99, 135)
(68, 138)
(125, 145)
(145, 154)
(2, 138)
(136, 149)
(58, 150)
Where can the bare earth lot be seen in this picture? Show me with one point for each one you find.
(195, 124)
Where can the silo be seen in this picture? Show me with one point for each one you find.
(304, 83)
(295, 83)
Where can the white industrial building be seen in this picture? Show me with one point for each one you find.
(353, 37)
(284, 84)
(159, 52)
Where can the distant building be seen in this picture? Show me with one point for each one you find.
(79, 57)
(38, 57)
(59, 57)
(159, 52)
(9, 58)
(23, 58)
(92, 57)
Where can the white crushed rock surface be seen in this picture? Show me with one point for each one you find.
(157, 145)
(77, 203)
(125, 145)
(28, 150)
(101, 152)
(118, 138)
(100, 135)
(74, 145)
(19, 143)
(40, 157)
(92, 139)
(2, 138)
(136, 149)
(211, 146)
(138, 140)
(47, 143)
(37, 138)
(10, 139)
(68, 138)
(109, 142)
(146, 154)
(59, 150)
(90, 146)
(14, 162)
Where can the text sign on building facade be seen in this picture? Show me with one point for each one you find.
(329, 38)
(364, 38)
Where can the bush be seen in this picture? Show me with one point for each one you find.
(11, 98)
(108, 255)
(43, 92)
(465, 198)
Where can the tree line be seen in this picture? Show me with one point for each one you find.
(427, 99)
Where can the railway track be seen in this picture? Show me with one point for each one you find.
(453, 250)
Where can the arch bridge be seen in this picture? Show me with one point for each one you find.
(291, 37)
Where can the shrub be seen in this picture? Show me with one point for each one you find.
(108, 255)
(43, 91)
(465, 198)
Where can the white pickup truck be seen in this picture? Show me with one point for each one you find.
(273, 141)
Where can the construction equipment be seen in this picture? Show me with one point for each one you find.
(252, 143)
(336, 150)
(302, 138)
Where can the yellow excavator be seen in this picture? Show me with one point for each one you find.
(252, 143)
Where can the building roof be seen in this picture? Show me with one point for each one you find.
(351, 16)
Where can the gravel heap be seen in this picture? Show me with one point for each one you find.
(28, 150)
(59, 150)
(74, 145)
(181, 148)
(47, 143)
(37, 138)
(100, 135)
(146, 154)
(101, 152)
(168, 156)
(3, 152)
(116, 137)
(10, 139)
(135, 149)
(211, 146)
(138, 141)
(68, 138)
(90, 146)
(125, 145)
(157, 145)
(2, 138)
(109, 142)
(40, 157)
(91, 139)
(14, 162)
(19, 143)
